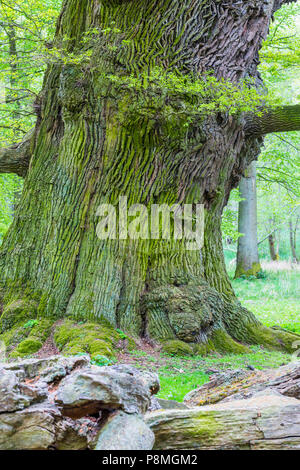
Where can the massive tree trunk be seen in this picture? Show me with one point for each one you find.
(247, 254)
(94, 142)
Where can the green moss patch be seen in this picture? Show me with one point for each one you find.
(219, 342)
(92, 338)
(27, 347)
(35, 329)
(177, 348)
(27, 334)
(273, 338)
(253, 271)
(14, 336)
(223, 343)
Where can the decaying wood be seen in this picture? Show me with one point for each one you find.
(240, 384)
(266, 421)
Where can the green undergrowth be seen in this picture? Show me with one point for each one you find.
(176, 386)
(180, 375)
(273, 298)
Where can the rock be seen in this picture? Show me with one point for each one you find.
(154, 405)
(161, 404)
(15, 396)
(96, 388)
(65, 403)
(125, 432)
(30, 419)
(149, 379)
(262, 422)
(76, 435)
(30, 429)
(41, 427)
(47, 367)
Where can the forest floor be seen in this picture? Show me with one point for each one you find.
(274, 298)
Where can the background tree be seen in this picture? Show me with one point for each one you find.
(278, 167)
(247, 252)
(26, 26)
(130, 106)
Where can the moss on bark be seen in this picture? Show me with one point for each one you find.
(240, 271)
(24, 332)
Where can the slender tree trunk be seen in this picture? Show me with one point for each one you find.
(13, 56)
(247, 253)
(93, 143)
(273, 254)
(293, 242)
(13, 81)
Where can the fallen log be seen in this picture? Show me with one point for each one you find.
(239, 384)
(265, 421)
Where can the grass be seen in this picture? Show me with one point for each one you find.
(176, 386)
(189, 374)
(180, 375)
(273, 299)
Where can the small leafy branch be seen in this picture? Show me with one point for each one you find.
(30, 324)
(121, 334)
(102, 361)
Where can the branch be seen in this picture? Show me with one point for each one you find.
(287, 142)
(281, 119)
(16, 159)
(276, 228)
